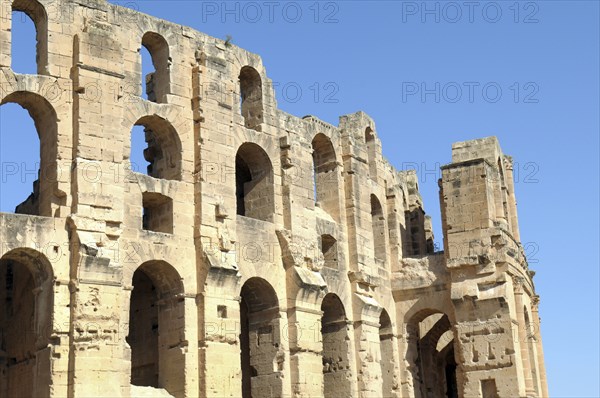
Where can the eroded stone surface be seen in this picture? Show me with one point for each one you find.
(260, 254)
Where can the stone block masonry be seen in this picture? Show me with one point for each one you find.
(259, 254)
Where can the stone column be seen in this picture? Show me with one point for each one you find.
(191, 350)
(306, 346)
(305, 291)
(60, 340)
(512, 201)
(94, 353)
(366, 333)
(283, 354)
(538, 341)
(409, 371)
(219, 350)
(523, 338)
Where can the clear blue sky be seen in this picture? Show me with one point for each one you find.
(372, 56)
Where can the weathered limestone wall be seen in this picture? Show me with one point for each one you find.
(491, 286)
(260, 254)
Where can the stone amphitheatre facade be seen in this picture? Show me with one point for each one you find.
(260, 254)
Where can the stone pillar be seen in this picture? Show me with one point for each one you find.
(523, 341)
(389, 350)
(305, 290)
(369, 374)
(97, 354)
(95, 344)
(531, 345)
(512, 201)
(59, 361)
(297, 168)
(219, 349)
(358, 185)
(409, 372)
(306, 347)
(366, 333)
(538, 341)
(395, 222)
(283, 354)
(191, 352)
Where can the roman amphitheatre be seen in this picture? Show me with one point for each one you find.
(260, 254)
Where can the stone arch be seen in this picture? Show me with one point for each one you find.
(325, 174)
(164, 148)
(386, 344)
(156, 328)
(255, 191)
(251, 97)
(26, 289)
(37, 13)
(337, 372)
(433, 372)
(378, 227)
(260, 340)
(425, 307)
(45, 190)
(157, 83)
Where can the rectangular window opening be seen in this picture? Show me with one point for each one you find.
(157, 213)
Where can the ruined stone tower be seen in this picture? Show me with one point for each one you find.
(260, 254)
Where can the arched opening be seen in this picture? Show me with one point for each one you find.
(23, 42)
(378, 230)
(137, 156)
(255, 193)
(29, 24)
(446, 361)
(386, 346)
(432, 365)
(326, 190)
(22, 166)
(156, 64)
(371, 152)
(260, 352)
(148, 71)
(26, 292)
(156, 328)
(162, 154)
(337, 374)
(416, 242)
(450, 373)
(251, 101)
